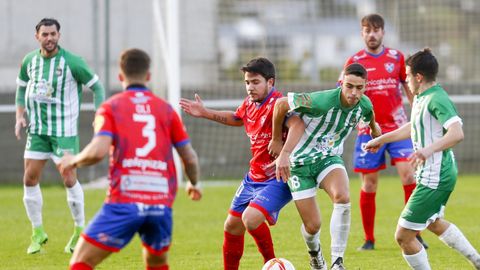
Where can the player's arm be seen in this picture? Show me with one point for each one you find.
(192, 169)
(20, 121)
(375, 130)
(452, 137)
(296, 128)
(279, 112)
(98, 94)
(196, 108)
(399, 134)
(84, 74)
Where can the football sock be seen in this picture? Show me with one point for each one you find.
(418, 261)
(80, 266)
(311, 240)
(33, 201)
(162, 267)
(367, 210)
(455, 239)
(232, 250)
(263, 238)
(76, 203)
(339, 229)
(408, 189)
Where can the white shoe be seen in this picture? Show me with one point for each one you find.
(338, 264)
(317, 262)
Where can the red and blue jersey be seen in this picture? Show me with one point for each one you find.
(386, 73)
(144, 128)
(257, 119)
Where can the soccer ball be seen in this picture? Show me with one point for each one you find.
(278, 264)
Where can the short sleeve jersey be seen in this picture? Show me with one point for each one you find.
(144, 128)
(53, 91)
(257, 119)
(432, 114)
(327, 123)
(386, 72)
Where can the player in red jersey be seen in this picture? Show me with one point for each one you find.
(140, 131)
(260, 196)
(386, 75)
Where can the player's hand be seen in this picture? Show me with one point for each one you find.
(193, 107)
(373, 145)
(194, 191)
(66, 165)
(419, 157)
(275, 147)
(282, 167)
(19, 124)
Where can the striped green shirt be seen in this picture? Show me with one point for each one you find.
(327, 122)
(50, 90)
(432, 113)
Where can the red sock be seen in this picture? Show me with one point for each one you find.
(408, 189)
(80, 266)
(232, 250)
(161, 267)
(367, 209)
(263, 238)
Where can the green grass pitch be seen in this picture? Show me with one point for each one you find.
(198, 230)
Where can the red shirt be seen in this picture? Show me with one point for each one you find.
(386, 72)
(257, 119)
(144, 129)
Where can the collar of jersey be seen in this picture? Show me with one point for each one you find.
(137, 87)
(267, 97)
(376, 55)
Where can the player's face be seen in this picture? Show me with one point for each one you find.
(353, 88)
(257, 86)
(48, 37)
(373, 37)
(412, 82)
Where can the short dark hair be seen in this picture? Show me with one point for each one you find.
(134, 63)
(357, 70)
(375, 20)
(47, 22)
(262, 66)
(423, 62)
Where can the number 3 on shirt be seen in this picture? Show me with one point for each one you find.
(148, 131)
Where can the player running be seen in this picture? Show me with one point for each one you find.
(50, 90)
(260, 196)
(316, 161)
(140, 131)
(386, 75)
(434, 128)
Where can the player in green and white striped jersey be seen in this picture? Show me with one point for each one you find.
(329, 117)
(49, 90)
(435, 128)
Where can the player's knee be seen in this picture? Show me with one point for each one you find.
(234, 226)
(341, 197)
(252, 218)
(155, 260)
(312, 226)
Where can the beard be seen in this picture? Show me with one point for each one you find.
(50, 47)
(374, 45)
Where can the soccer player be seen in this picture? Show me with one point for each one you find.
(386, 75)
(316, 161)
(434, 128)
(140, 131)
(260, 196)
(49, 89)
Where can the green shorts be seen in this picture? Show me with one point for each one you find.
(43, 147)
(424, 207)
(305, 179)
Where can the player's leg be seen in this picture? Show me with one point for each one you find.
(75, 196)
(451, 236)
(155, 262)
(334, 180)
(413, 252)
(233, 229)
(270, 198)
(368, 164)
(37, 152)
(156, 235)
(86, 256)
(303, 186)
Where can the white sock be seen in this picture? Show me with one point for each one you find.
(418, 261)
(311, 240)
(76, 203)
(455, 239)
(339, 229)
(33, 201)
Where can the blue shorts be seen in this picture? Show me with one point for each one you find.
(268, 197)
(367, 162)
(115, 224)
